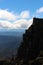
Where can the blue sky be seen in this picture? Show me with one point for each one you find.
(18, 14)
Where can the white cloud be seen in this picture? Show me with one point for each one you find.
(5, 14)
(40, 10)
(6, 17)
(5, 24)
(22, 23)
(25, 14)
(19, 24)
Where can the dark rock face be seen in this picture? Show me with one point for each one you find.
(32, 44)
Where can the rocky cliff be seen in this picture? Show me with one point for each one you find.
(30, 51)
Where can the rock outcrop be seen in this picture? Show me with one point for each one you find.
(31, 49)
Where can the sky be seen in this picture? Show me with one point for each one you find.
(18, 14)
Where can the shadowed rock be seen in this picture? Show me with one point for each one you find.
(32, 43)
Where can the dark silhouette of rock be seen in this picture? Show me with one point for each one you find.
(30, 51)
(32, 43)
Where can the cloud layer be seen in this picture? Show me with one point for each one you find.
(11, 20)
(18, 24)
